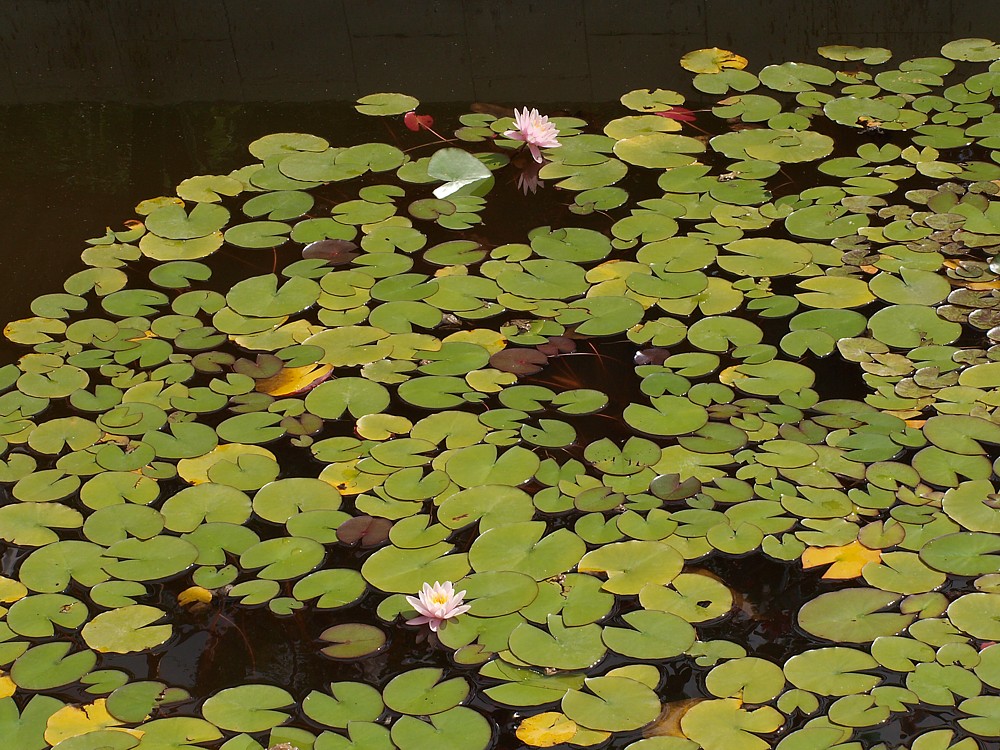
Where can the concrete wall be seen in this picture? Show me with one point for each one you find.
(168, 51)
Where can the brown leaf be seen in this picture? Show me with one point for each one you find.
(668, 723)
(519, 361)
(366, 530)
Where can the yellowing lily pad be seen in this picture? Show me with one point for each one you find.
(712, 60)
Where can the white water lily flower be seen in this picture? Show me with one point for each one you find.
(437, 603)
(535, 130)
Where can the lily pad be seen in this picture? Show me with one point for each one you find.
(126, 630)
(248, 708)
(852, 616)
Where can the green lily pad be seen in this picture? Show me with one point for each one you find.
(332, 399)
(976, 50)
(653, 635)
(172, 222)
(257, 234)
(718, 724)
(347, 703)
(869, 55)
(126, 630)
(851, 616)
(558, 646)
(966, 553)
(33, 524)
(611, 704)
(835, 670)
(977, 614)
(352, 640)
(491, 505)
(524, 547)
(658, 150)
(779, 146)
(283, 558)
(51, 665)
(695, 598)
(631, 565)
(248, 708)
(382, 105)
(460, 728)
(406, 570)
(260, 296)
(651, 100)
(422, 692)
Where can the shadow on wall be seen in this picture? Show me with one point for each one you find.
(155, 52)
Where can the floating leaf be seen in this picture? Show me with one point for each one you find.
(386, 104)
(546, 729)
(247, 708)
(352, 640)
(422, 692)
(73, 721)
(559, 646)
(457, 168)
(712, 60)
(718, 724)
(125, 630)
(848, 560)
(852, 616)
(460, 728)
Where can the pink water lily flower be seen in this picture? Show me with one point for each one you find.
(437, 603)
(535, 130)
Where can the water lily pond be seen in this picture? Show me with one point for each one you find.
(670, 428)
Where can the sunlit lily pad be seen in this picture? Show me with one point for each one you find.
(248, 708)
(852, 616)
(126, 630)
(459, 727)
(712, 60)
(717, 724)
